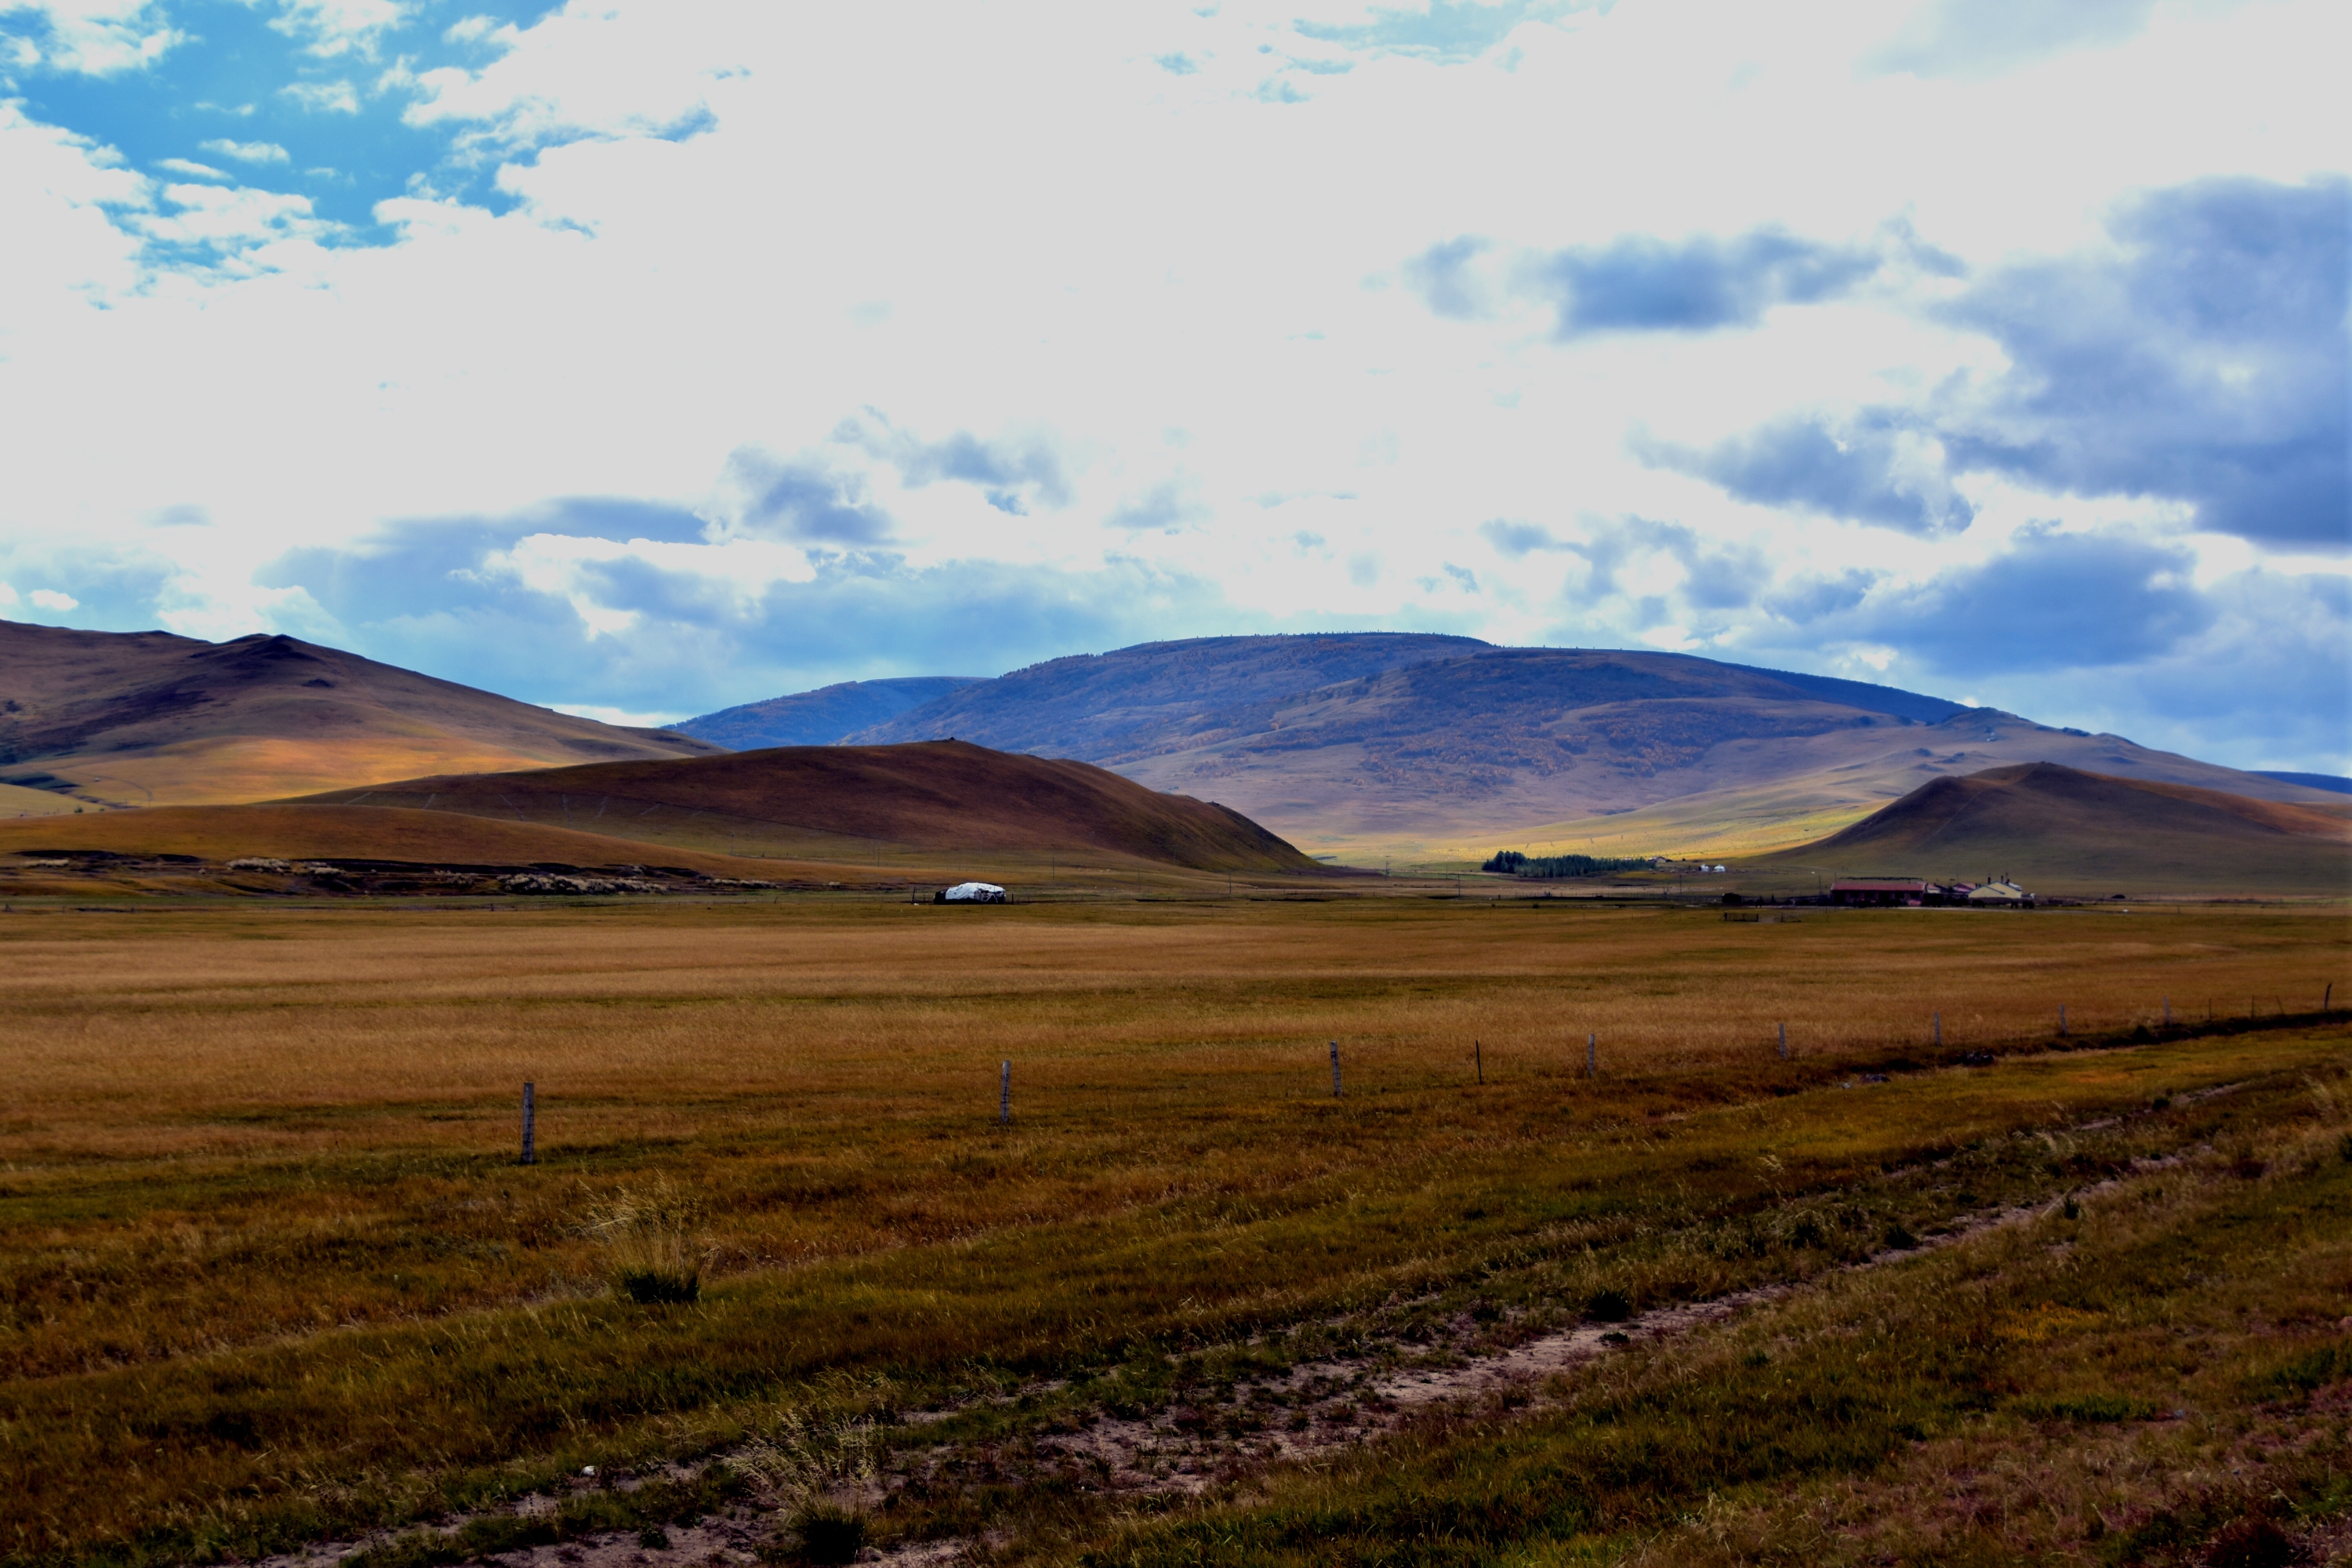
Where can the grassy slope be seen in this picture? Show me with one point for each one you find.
(850, 800)
(269, 1271)
(2060, 829)
(2158, 1376)
(143, 718)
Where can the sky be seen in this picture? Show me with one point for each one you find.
(645, 359)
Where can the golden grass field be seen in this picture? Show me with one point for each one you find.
(269, 1271)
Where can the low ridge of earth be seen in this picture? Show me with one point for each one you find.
(279, 850)
(115, 719)
(1443, 749)
(2052, 826)
(819, 717)
(851, 802)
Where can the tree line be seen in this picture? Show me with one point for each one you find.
(1519, 864)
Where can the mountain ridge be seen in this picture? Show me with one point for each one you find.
(153, 718)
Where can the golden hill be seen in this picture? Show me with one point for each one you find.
(845, 803)
(2062, 829)
(151, 718)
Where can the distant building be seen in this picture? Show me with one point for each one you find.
(1894, 891)
(1999, 893)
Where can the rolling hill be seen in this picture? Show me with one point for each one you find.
(2062, 829)
(149, 718)
(1440, 748)
(847, 804)
(818, 718)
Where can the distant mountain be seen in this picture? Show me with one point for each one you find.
(1437, 747)
(2059, 828)
(858, 803)
(148, 718)
(818, 718)
(2335, 783)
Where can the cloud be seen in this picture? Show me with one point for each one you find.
(1448, 32)
(1442, 276)
(685, 628)
(1712, 575)
(1517, 539)
(92, 37)
(324, 97)
(1807, 599)
(248, 151)
(1977, 38)
(2052, 601)
(193, 170)
(2206, 361)
(1165, 508)
(800, 500)
(1010, 471)
(1870, 473)
(334, 28)
(51, 599)
(1639, 284)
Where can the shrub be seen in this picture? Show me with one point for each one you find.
(653, 1238)
(1608, 1307)
(829, 1533)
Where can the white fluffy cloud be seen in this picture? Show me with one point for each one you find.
(1667, 323)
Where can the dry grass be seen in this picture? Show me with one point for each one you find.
(266, 1265)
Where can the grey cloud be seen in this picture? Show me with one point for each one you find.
(1641, 284)
(420, 600)
(1809, 598)
(2208, 365)
(1440, 276)
(1866, 474)
(802, 501)
(1974, 38)
(1715, 577)
(1517, 539)
(1009, 471)
(2054, 601)
(1166, 506)
(416, 562)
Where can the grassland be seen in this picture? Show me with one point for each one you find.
(269, 1272)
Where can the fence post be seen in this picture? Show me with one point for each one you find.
(1784, 1042)
(1335, 1069)
(1478, 1053)
(1591, 1058)
(2061, 1020)
(1939, 1031)
(530, 1150)
(2168, 1012)
(1004, 1096)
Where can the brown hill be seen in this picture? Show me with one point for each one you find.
(148, 718)
(2060, 829)
(848, 803)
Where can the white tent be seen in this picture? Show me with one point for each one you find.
(974, 893)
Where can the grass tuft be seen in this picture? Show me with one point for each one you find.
(653, 1235)
(826, 1532)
